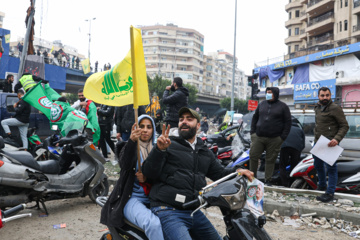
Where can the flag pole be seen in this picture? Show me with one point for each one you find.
(135, 92)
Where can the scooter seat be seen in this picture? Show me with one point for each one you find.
(348, 167)
(24, 157)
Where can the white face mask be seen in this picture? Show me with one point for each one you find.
(268, 96)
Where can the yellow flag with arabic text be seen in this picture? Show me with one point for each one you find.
(85, 65)
(126, 83)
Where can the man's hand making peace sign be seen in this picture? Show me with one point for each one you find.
(163, 142)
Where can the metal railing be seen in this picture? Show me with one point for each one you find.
(312, 3)
(356, 28)
(356, 4)
(321, 18)
(320, 40)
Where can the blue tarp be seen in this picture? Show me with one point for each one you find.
(272, 74)
(8, 64)
(56, 76)
(301, 74)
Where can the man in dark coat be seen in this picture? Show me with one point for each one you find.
(105, 116)
(8, 84)
(124, 119)
(270, 126)
(175, 101)
(204, 125)
(291, 150)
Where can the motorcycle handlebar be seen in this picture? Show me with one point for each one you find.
(192, 204)
(13, 210)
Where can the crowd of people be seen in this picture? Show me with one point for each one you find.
(174, 164)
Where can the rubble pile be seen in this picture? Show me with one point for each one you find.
(313, 220)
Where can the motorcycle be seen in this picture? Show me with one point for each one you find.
(229, 194)
(6, 216)
(348, 175)
(23, 179)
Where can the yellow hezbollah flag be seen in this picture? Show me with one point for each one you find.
(7, 38)
(85, 65)
(126, 83)
(52, 49)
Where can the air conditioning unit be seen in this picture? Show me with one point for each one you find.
(339, 74)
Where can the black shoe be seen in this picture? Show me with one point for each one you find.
(267, 183)
(321, 188)
(325, 197)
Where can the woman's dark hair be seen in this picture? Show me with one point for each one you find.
(324, 89)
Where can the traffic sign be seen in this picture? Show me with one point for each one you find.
(252, 105)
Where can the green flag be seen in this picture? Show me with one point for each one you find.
(91, 113)
(51, 93)
(37, 98)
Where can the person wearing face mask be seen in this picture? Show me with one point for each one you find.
(330, 122)
(270, 126)
(174, 102)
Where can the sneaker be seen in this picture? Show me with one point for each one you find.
(325, 197)
(321, 188)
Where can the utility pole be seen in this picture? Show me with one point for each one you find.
(89, 20)
(26, 40)
(234, 64)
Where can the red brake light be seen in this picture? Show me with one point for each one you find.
(203, 138)
(225, 155)
(1, 163)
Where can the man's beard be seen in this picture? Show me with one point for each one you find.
(82, 99)
(324, 102)
(187, 134)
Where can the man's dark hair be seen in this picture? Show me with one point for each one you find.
(178, 81)
(80, 90)
(324, 89)
(62, 99)
(9, 76)
(21, 91)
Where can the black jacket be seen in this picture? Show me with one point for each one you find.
(174, 102)
(112, 213)
(22, 112)
(179, 172)
(7, 87)
(271, 119)
(204, 126)
(295, 139)
(125, 117)
(106, 115)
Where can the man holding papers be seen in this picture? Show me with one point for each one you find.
(331, 123)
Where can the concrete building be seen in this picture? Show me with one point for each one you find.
(2, 16)
(318, 25)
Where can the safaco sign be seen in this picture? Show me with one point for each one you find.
(309, 91)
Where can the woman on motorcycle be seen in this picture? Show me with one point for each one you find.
(129, 198)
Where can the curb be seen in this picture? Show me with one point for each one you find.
(287, 209)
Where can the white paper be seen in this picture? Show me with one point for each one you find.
(325, 153)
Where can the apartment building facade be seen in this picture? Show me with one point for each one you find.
(172, 51)
(2, 16)
(318, 25)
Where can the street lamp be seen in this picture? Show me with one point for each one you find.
(89, 20)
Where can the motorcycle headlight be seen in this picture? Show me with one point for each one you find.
(237, 200)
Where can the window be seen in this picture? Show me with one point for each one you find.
(289, 49)
(346, 4)
(341, 3)
(296, 48)
(354, 126)
(10, 101)
(289, 15)
(297, 13)
(296, 31)
(340, 26)
(345, 25)
(289, 32)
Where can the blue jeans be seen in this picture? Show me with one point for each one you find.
(178, 224)
(137, 213)
(331, 171)
(125, 136)
(23, 127)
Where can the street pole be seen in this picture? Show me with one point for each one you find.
(89, 20)
(26, 41)
(234, 64)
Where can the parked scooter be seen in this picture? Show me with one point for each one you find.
(23, 179)
(7, 216)
(229, 194)
(348, 175)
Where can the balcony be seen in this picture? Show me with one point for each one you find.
(356, 31)
(303, 16)
(304, 1)
(318, 7)
(321, 24)
(321, 40)
(302, 34)
(356, 9)
(293, 4)
(292, 39)
(292, 21)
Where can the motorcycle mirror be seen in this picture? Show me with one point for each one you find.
(261, 221)
(54, 127)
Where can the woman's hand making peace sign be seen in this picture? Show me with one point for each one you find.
(163, 142)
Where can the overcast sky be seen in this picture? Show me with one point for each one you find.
(260, 24)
